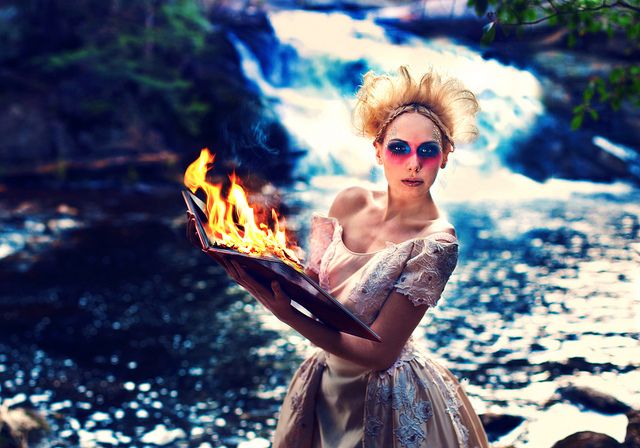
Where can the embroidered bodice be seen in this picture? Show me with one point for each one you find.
(418, 268)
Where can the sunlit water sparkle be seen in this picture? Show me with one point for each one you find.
(546, 293)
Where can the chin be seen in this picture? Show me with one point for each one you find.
(416, 190)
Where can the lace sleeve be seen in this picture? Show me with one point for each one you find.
(322, 229)
(428, 269)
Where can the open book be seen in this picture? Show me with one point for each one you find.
(306, 295)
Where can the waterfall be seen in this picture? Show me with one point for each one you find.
(313, 85)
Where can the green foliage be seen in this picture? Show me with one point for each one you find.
(623, 84)
(116, 55)
(579, 18)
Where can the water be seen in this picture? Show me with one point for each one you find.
(123, 334)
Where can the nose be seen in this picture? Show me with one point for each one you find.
(414, 163)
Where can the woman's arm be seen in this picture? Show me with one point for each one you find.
(395, 323)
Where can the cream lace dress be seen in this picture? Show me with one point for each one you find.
(335, 403)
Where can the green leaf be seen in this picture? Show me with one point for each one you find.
(623, 19)
(576, 122)
(588, 93)
(594, 114)
(530, 14)
(616, 75)
(601, 87)
(579, 109)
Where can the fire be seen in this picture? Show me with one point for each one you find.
(232, 221)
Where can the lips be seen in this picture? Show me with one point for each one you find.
(412, 182)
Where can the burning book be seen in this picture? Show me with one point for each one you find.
(230, 229)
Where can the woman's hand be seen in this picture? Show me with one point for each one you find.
(274, 298)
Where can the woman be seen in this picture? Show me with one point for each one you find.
(386, 255)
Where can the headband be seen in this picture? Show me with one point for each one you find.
(422, 110)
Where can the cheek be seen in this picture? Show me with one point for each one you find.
(397, 159)
(431, 161)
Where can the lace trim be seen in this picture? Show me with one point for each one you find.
(409, 353)
(402, 398)
(376, 283)
(373, 427)
(427, 273)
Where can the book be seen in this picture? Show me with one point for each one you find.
(305, 294)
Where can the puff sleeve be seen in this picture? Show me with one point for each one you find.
(428, 269)
(321, 235)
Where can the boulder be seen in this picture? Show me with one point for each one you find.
(632, 439)
(594, 400)
(497, 425)
(587, 439)
(21, 427)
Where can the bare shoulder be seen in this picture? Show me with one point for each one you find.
(349, 201)
(447, 227)
(440, 225)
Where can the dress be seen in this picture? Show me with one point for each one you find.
(334, 403)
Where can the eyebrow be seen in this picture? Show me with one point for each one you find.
(422, 143)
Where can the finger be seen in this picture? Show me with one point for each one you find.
(229, 269)
(259, 290)
(248, 282)
(278, 292)
(247, 278)
(237, 269)
(262, 302)
(232, 268)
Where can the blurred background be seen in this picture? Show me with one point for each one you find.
(114, 331)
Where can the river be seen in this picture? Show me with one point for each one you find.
(123, 334)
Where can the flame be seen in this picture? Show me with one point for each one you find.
(232, 222)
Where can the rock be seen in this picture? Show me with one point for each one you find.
(593, 399)
(587, 439)
(632, 439)
(21, 427)
(497, 425)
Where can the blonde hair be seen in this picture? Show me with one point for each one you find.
(382, 98)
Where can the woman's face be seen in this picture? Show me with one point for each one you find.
(411, 154)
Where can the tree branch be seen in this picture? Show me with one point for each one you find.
(604, 5)
(628, 6)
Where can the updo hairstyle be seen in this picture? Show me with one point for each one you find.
(445, 101)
